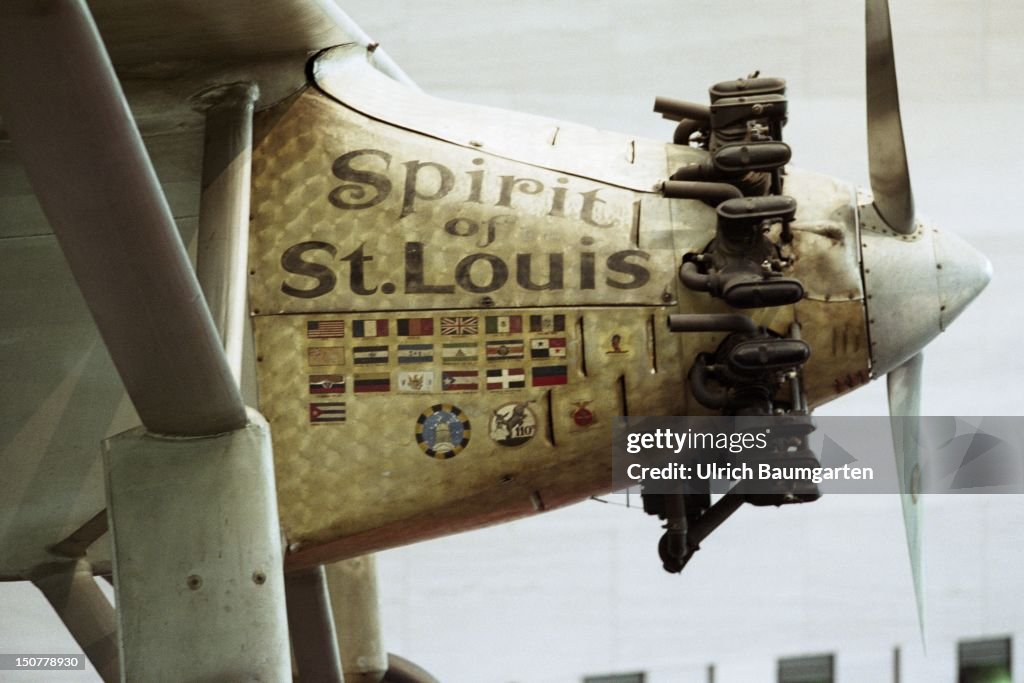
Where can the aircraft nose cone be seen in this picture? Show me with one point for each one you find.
(963, 273)
(916, 286)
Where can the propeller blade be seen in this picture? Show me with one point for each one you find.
(887, 154)
(905, 402)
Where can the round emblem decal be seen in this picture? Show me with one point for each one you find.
(442, 431)
(513, 424)
(582, 415)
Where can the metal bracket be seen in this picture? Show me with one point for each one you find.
(198, 567)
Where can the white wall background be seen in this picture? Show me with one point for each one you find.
(581, 590)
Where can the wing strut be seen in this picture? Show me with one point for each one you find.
(72, 129)
(356, 608)
(72, 591)
(194, 527)
(311, 626)
(223, 252)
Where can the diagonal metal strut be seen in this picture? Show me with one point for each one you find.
(71, 127)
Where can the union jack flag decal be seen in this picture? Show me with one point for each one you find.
(460, 325)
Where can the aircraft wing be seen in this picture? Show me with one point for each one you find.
(230, 30)
(59, 392)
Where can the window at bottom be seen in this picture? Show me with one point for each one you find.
(984, 661)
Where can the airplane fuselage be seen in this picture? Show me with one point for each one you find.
(444, 332)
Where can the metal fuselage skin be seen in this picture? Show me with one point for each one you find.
(445, 328)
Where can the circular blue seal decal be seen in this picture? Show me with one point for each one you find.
(442, 431)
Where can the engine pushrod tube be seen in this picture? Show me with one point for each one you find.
(677, 110)
(711, 322)
(711, 194)
(694, 279)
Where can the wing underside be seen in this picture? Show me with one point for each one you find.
(60, 394)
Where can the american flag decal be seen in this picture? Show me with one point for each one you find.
(460, 325)
(326, 413)
(325, 329)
